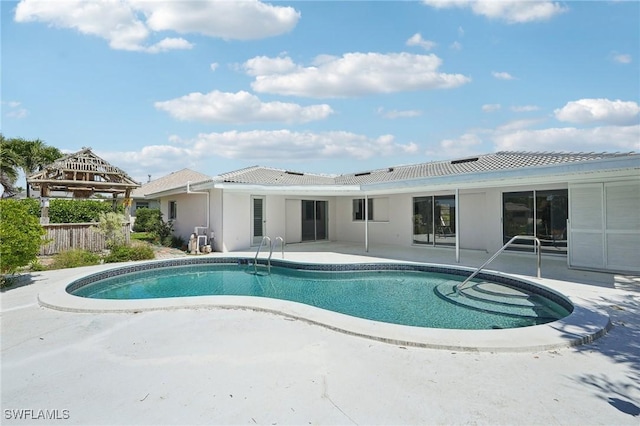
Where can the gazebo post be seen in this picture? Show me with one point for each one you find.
(127, 205)
(44, 205)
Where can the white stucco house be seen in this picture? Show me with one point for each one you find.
(584, 206)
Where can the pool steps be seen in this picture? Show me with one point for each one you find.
(493, 298)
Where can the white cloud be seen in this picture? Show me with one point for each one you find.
(353, 74)
(393, 114)
(598, 139)
(511, 11)
(491, 107)
(515, 125)
(15, 110)
(129, 24)
(502, 75)
(524, 108)
(599, 111)
(262, 145)
(466, 144)
(240, 20)
(622, 58)
(456, 45)
(240, 107)
(214, 66)
(417, 40)
(259, 146)
(263, 65)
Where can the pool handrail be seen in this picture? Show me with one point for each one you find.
(459, 287)
(281, 247)
(255, 259)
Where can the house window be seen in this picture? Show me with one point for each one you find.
(358, 209)
(173, 210)
(142, 205)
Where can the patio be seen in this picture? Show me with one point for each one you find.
(214, 366)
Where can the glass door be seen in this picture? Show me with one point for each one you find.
(423, 220)
(258, 221)
(445, 220)
(314, 220)
(540, 213)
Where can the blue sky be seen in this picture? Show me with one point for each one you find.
(327, 87)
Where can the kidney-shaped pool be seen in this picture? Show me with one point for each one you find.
(405, 294)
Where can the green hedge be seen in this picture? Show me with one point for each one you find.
(70, 211)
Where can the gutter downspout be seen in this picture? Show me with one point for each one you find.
(189, 191)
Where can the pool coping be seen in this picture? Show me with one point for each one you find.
(585, 324)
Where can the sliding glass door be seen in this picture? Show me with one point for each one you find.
(314, 220)
(434, 220)
(540, 213)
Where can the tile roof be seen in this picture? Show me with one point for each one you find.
(269, 176)
(258, 175)
(503, 160)
(170, 181)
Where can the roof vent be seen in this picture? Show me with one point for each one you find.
(294, 173)
(465, 160)
(390, 169)
(362, 174)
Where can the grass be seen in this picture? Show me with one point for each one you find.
(143, 236)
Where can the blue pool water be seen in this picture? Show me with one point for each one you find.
(415, 298)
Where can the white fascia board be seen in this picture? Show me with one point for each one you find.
(324, 190)
(614, 168)
(166, 193)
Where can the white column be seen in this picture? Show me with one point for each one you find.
(366, 223)
(457, 204)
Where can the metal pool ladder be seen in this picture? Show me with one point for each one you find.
(459, 287)
(270, 245)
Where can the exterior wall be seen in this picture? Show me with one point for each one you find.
(395, 230)
(474, 221)
(216, 219)
(191, 212)
(236, 210)
(282, 213)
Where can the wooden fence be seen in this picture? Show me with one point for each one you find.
(68, 236)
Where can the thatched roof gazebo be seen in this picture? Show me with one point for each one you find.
(83, 174)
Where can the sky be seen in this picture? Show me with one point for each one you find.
(318, 86)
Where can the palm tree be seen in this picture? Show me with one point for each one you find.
(33, 156)
(8, 168)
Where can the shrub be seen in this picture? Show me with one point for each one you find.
(127, 253)
(163, 232)
(110, 226)
(178, 242)
(20, 236)
(146, 219)
(74, 259)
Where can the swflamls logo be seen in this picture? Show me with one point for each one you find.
(31, 414)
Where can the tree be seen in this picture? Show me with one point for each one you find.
(20, 236)
(33, 155)
(8, 167)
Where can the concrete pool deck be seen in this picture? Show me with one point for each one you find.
(213, 366)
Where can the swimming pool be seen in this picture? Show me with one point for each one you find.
(405, 294)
